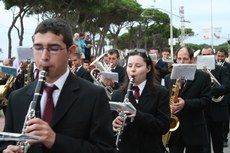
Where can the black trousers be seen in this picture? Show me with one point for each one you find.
(180, 146)
(215, 131)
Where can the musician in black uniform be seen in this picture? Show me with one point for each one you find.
(114, 57)
(221, 56)
(144, 129)
(79, 123)
(192, 134)
(217, 111)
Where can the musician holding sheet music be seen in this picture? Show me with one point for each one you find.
(193, 99)
(143, 128)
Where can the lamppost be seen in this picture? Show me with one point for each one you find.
(171, 29)
(211, 24)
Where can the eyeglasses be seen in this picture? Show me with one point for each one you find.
(51, 49)
(137, 50)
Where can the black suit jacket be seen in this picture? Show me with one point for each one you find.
(218, 111)
(121, 75)
(196, 94)
(82, 123)
(85, 74)
(144, 134)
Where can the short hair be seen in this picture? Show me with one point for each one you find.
(114, 51)
(190, 51)
(223, 51)
(86, 61)
(166, 49)
(78, 55)
(57, 27)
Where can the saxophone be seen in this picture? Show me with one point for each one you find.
(174, 121)
(27, 75)
(32, 108)
(5, 90)
(122, 114)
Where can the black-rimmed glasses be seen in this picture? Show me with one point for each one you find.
(51, 49)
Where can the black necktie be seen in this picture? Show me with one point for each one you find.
(49, 107)
(136, 93)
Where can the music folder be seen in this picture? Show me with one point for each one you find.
(8, 70)
(122, 106)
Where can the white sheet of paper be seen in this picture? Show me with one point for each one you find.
(153, 57)
(207, 61)
(169, 61)
(25, 54)
(110, 75)
(121, 106)
(185, 71)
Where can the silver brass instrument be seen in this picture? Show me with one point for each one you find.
(215, 83)
(32, 108)
(5, 90)
(122, 114)
(96, 74)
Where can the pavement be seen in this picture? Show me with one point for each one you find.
(2, 122)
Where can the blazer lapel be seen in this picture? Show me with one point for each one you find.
(66, 98)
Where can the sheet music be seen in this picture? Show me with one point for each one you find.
(153, 57)
(121, 106)
(25, 54)
(185, 71)
(110, 75)
(207, 61)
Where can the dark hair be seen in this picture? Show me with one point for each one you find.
(114, 51)
(190, 51)
(57, 27)
(223, 51)
(86, 61)
(166, 49)
(150, 75)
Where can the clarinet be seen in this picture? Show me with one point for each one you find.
(32, 108)
(122, 114)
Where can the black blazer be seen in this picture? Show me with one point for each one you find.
(85, 74)
(144, 134)
(82, 123)
(196, 94)
(218, 111)
(121, 75)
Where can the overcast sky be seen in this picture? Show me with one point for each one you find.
(198, 12)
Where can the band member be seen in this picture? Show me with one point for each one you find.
(114, 58)
(78, 69)
(192, 133)
(216, 113)
(221, 56)
(144, 129)
(79, 123)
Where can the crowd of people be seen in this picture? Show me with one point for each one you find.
(78, 108)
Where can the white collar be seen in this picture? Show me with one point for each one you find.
(61, 80)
